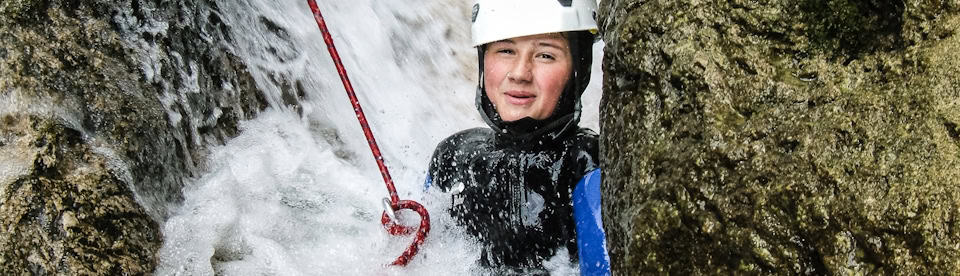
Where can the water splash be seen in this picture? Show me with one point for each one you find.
(298, 193)
(278, 201)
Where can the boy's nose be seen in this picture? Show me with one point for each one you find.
(521, 71)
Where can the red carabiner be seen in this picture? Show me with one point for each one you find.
(395, 228)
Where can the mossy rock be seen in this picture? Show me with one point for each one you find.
(784, 137)
(69, 212)
(106, 107)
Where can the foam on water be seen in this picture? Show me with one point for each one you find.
(278, 201)
(298, 192)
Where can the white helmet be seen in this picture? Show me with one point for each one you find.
(495, 20)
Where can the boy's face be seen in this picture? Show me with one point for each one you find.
(524, 76)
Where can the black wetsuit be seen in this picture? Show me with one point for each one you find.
(514, 197)
(512, 183)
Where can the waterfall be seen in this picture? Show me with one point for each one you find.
(298, 192)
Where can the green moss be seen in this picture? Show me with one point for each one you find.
(21, 10)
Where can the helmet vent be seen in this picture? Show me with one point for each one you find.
(565, 3)
(476, 10)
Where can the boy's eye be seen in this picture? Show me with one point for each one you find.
(505, 51)
(547, 56)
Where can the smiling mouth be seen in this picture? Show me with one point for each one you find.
(520, 97)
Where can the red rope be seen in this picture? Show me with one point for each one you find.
(395, 203)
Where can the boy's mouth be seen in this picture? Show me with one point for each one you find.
(519, 97)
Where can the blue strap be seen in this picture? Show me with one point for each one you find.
(427, 183)
(591, 240)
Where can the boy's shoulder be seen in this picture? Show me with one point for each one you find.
(465, 140)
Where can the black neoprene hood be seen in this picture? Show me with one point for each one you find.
(565, 116)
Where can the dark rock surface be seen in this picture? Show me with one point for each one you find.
(101, 118)
(72, 215)
(785, 137)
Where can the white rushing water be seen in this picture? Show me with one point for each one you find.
(298, 193)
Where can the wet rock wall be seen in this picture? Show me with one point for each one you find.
(781, 137)
(105, 108)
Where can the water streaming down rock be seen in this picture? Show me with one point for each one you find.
(101, 102)
(298, 192)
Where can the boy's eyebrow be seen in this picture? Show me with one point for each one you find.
(542, 43)
(550, 44)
